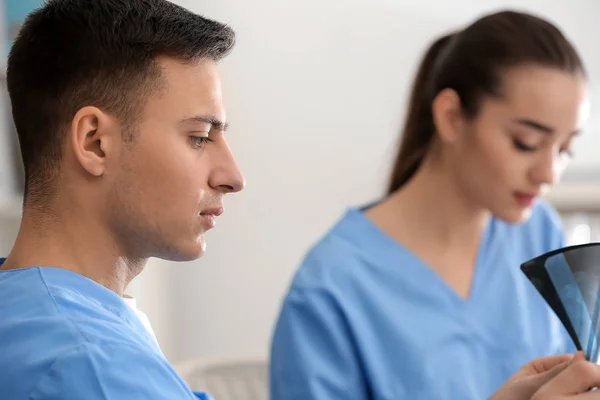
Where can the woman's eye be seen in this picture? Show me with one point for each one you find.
(522, 146)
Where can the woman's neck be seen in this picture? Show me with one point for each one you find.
(433, 218)
(433, 204)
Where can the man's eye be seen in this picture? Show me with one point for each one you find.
(199, 141)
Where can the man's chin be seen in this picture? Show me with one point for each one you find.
(189, 252)
(196, 250)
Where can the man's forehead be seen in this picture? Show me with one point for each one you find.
(175, 68)
(193, 89)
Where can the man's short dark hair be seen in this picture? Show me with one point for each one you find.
(75, 53)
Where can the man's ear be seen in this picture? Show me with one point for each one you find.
(447, 115)
(93, 137)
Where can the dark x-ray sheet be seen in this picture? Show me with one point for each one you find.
(569, 281)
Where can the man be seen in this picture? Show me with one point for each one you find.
(119, 114)
(118, 109)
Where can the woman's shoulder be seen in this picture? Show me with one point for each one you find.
(330, 254)
(542, 232)
(545, 222)
(545, 214)
(343, 255)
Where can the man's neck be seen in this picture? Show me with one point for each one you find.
(72, 242)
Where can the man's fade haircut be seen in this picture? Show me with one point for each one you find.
(75, 53)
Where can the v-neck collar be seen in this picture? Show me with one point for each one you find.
(386, 251)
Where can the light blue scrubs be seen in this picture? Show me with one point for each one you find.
(364, 318)
(64, 336)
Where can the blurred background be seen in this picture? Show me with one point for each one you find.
(315, 92)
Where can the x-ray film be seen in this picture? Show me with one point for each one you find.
(569, 281)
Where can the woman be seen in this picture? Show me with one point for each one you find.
(420, 296)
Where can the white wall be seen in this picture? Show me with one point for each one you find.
(315, 91)
(8, 182)
(8, 233)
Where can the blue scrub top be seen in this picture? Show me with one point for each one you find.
(364, 318)
(64, 336)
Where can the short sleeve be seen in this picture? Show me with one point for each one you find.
(94, 372)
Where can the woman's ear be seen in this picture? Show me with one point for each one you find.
(447, 115)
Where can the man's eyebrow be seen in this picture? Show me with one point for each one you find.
(214, 122)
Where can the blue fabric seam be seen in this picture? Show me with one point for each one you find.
(58, 310)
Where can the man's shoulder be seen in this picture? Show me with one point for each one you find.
(60, 362)
(37, 311)
(108, 370)
(46, 329)
(64, 305)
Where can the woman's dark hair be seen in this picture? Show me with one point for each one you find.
(471, 62)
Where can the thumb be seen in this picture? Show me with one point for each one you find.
(578, 377)
(540, 379)
(579, 356)
(546, 364)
